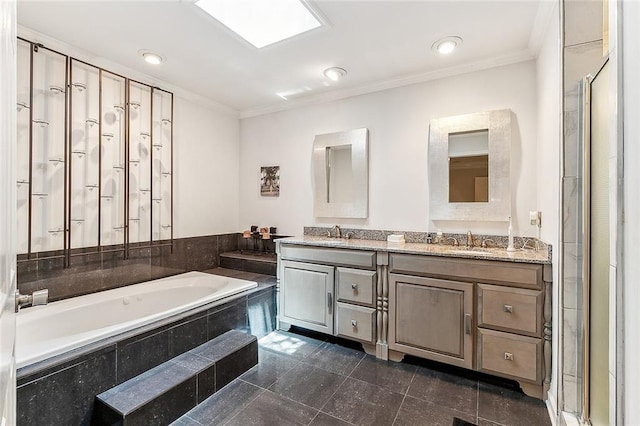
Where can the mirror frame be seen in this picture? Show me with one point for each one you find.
(359, 141)
(498, 208)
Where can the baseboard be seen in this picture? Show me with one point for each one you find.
(552, 408)
(570, 419)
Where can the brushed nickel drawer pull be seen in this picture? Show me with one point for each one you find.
(354, 286)
(508, 356)
(467, 323)
(508, 309)
(354, 323)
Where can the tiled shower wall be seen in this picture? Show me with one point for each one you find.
(96, 272)
(583, 54)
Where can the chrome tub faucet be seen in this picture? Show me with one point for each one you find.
(40, 297)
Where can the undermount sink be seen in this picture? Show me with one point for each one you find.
(337, 241)
(470, 252)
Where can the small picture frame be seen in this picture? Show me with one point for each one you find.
(270, 181)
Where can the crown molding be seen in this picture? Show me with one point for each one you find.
(91, 58)
(498, 61)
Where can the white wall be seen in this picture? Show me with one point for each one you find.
(398, 122)
(206, 170)
(630, 46)
(549, 94)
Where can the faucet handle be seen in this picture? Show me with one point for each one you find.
(40, 297)
(484, 242)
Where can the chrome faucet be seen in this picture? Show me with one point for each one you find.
(485, 241)
(469, 240)
(527, 241)
(336, 230)
(40, 297)
(455, 241)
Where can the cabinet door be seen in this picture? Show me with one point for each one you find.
(306, 295)
(431, 318)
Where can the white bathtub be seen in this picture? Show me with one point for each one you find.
(46, 331)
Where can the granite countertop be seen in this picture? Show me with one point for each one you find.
(520, 255)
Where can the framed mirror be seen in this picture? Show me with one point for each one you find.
(341, 174)
(469, 167)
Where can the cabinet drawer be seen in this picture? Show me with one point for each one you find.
(356, 322)
(510, 355)
(329, 256)
(356, 286)
(488, 271)
(510, 309)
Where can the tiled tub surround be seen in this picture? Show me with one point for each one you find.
(102, 271)
(498, 303)
(61, 390)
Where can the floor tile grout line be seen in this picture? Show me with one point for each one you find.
(333, 394)
(245, 407)
(298, 402)
(334, 417)
(406, 392)
(330, 371)
(314, 417)
(295, 364)
(399, 408)
(488, 420)
(357, 365)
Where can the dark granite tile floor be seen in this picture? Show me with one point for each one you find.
(305, 378)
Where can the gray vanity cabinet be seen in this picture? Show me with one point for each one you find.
(306, 295)
(431, 318)
(308, 279)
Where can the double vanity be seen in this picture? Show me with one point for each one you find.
(487, 310)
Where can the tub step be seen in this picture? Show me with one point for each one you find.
(164, 393)
(259, 263)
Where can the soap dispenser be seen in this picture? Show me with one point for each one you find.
(510, 245)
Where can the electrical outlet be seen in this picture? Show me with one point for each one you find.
(535, 218)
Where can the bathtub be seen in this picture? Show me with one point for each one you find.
(46, 331)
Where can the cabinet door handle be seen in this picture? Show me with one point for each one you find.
(330, 302)
(508, 309)
(354, 323)
(354, 286)
(467, 323)
(508, 356)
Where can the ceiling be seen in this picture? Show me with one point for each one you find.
(381, 44)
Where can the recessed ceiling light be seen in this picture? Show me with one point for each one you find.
(151, 57)
(446, 45)
(335, 73)
(262, 22)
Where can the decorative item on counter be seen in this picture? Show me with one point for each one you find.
(264, 233)
(272, 230)
(510, 230)
(270, 181)
(395, 239)
(439, 237)
(246, 234)
(254, 229)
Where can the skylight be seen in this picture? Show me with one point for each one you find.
(262, 22)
